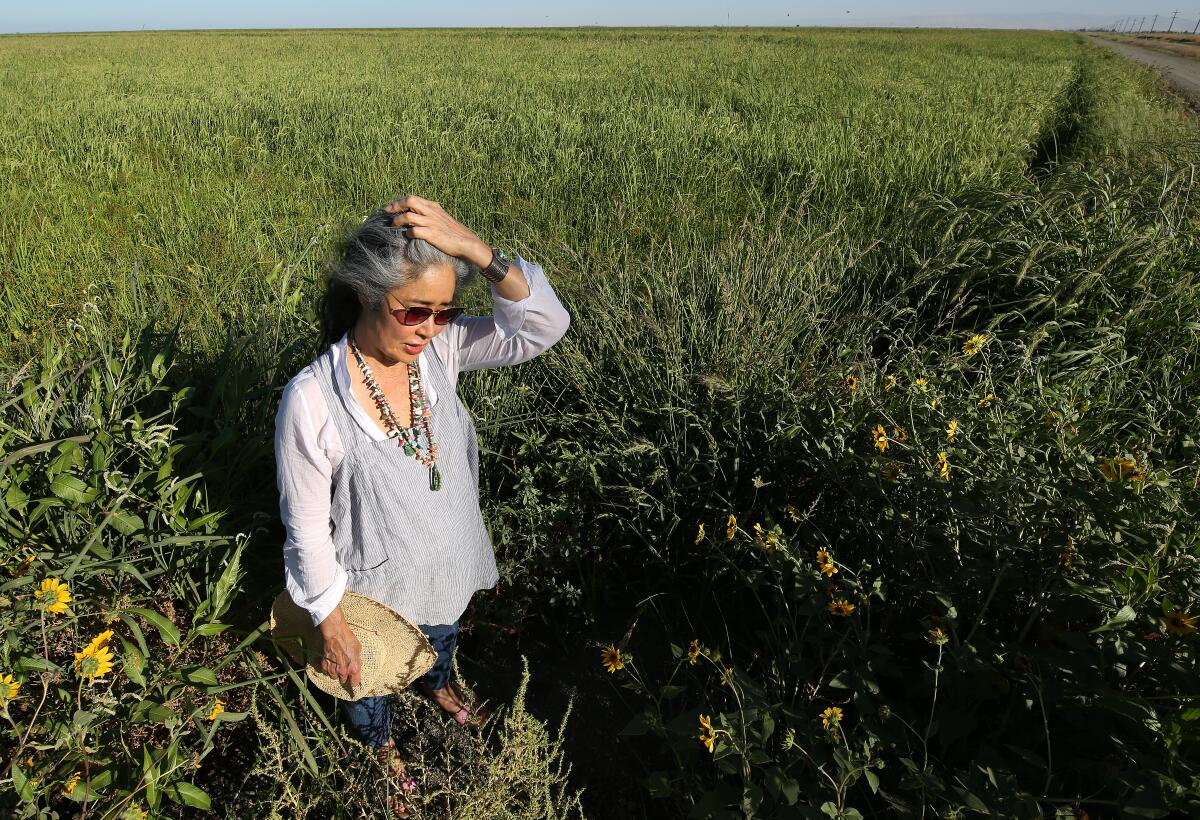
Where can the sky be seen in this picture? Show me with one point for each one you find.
(123, 15)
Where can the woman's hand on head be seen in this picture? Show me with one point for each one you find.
(427, 220)
(340, 656)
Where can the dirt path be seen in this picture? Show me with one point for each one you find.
(1181, 72)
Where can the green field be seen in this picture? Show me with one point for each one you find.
(775, 246)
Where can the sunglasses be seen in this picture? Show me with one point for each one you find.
(412, 316)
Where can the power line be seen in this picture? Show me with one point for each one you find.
(1173, 15)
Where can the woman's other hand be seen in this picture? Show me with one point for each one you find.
(425, 219)
(341, 650)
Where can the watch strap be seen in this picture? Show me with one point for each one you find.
(497, 269)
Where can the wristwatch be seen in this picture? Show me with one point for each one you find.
(497, 269)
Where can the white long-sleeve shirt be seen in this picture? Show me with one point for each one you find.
(308, 448)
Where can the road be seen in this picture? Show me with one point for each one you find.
(1183, 73)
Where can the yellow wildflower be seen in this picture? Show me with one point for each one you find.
(933, 403)
(1068, 553)
(707, 736)
(217, 709)
(943, 467)
(96, 659)
(759, 534)
(952, 430)
(727, 676)
(831, 717)
(988, 399)
(694, 651)
(921, 384)
(730, 527)
(899, 433)
(889, 381)
(19, 570)
(71, 784)
(611, 659)
(892, 471)
(852, 382)
(938, 635)
(793, 514)
(823, 557)
(1179, 623)
(1116, 469)
(825, 561)
(840, 606)
(55, 593)
(8, 689)
(881, 439)
(699, 534)
(974, 344)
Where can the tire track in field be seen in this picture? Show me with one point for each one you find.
(1182, 73)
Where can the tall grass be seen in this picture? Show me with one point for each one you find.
(738, 223)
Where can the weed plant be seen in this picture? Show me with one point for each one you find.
(905, 320)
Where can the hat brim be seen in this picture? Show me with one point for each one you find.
(395, 652)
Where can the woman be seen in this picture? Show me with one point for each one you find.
(377, 457)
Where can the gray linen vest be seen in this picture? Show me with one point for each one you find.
(422, 552)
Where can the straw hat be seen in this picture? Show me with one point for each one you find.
(394, 651)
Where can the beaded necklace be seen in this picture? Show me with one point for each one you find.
(422, 417)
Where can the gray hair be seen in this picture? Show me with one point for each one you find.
(371, 262)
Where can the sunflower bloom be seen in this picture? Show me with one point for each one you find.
(943, 467)
(699, 534)
(96, 659)
(55, 594)
(217, 709)
(707, 736)
(8, 689)
(938, 635)
(952, 430)
(610, 659)
(694, 651)
(71, 784)
(921, 384)
(730, 527)
(852, 382)
(881, 439)
(825, 562)
(793, 514)
(823, 557)
(1119, 468)
(831, 717)
(974, 344)
(840, 606)
(1180, 623)
(899, 433)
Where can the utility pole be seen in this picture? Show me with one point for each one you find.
(1173, 14)
(1154, 25)
(1142, 23)
(1197, 26)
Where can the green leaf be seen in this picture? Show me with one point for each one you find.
(71, 489)
(872, 781)
(127, 523)
(21, 784)
(134, 663)
(1123, 616)
(200, 675)
(205, 630)
(168, 630)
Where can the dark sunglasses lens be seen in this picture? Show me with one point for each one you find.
(445, 317)
(412, 316)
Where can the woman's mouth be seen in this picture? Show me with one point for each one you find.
(413, 350)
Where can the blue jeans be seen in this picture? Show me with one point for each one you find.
(369, 719)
